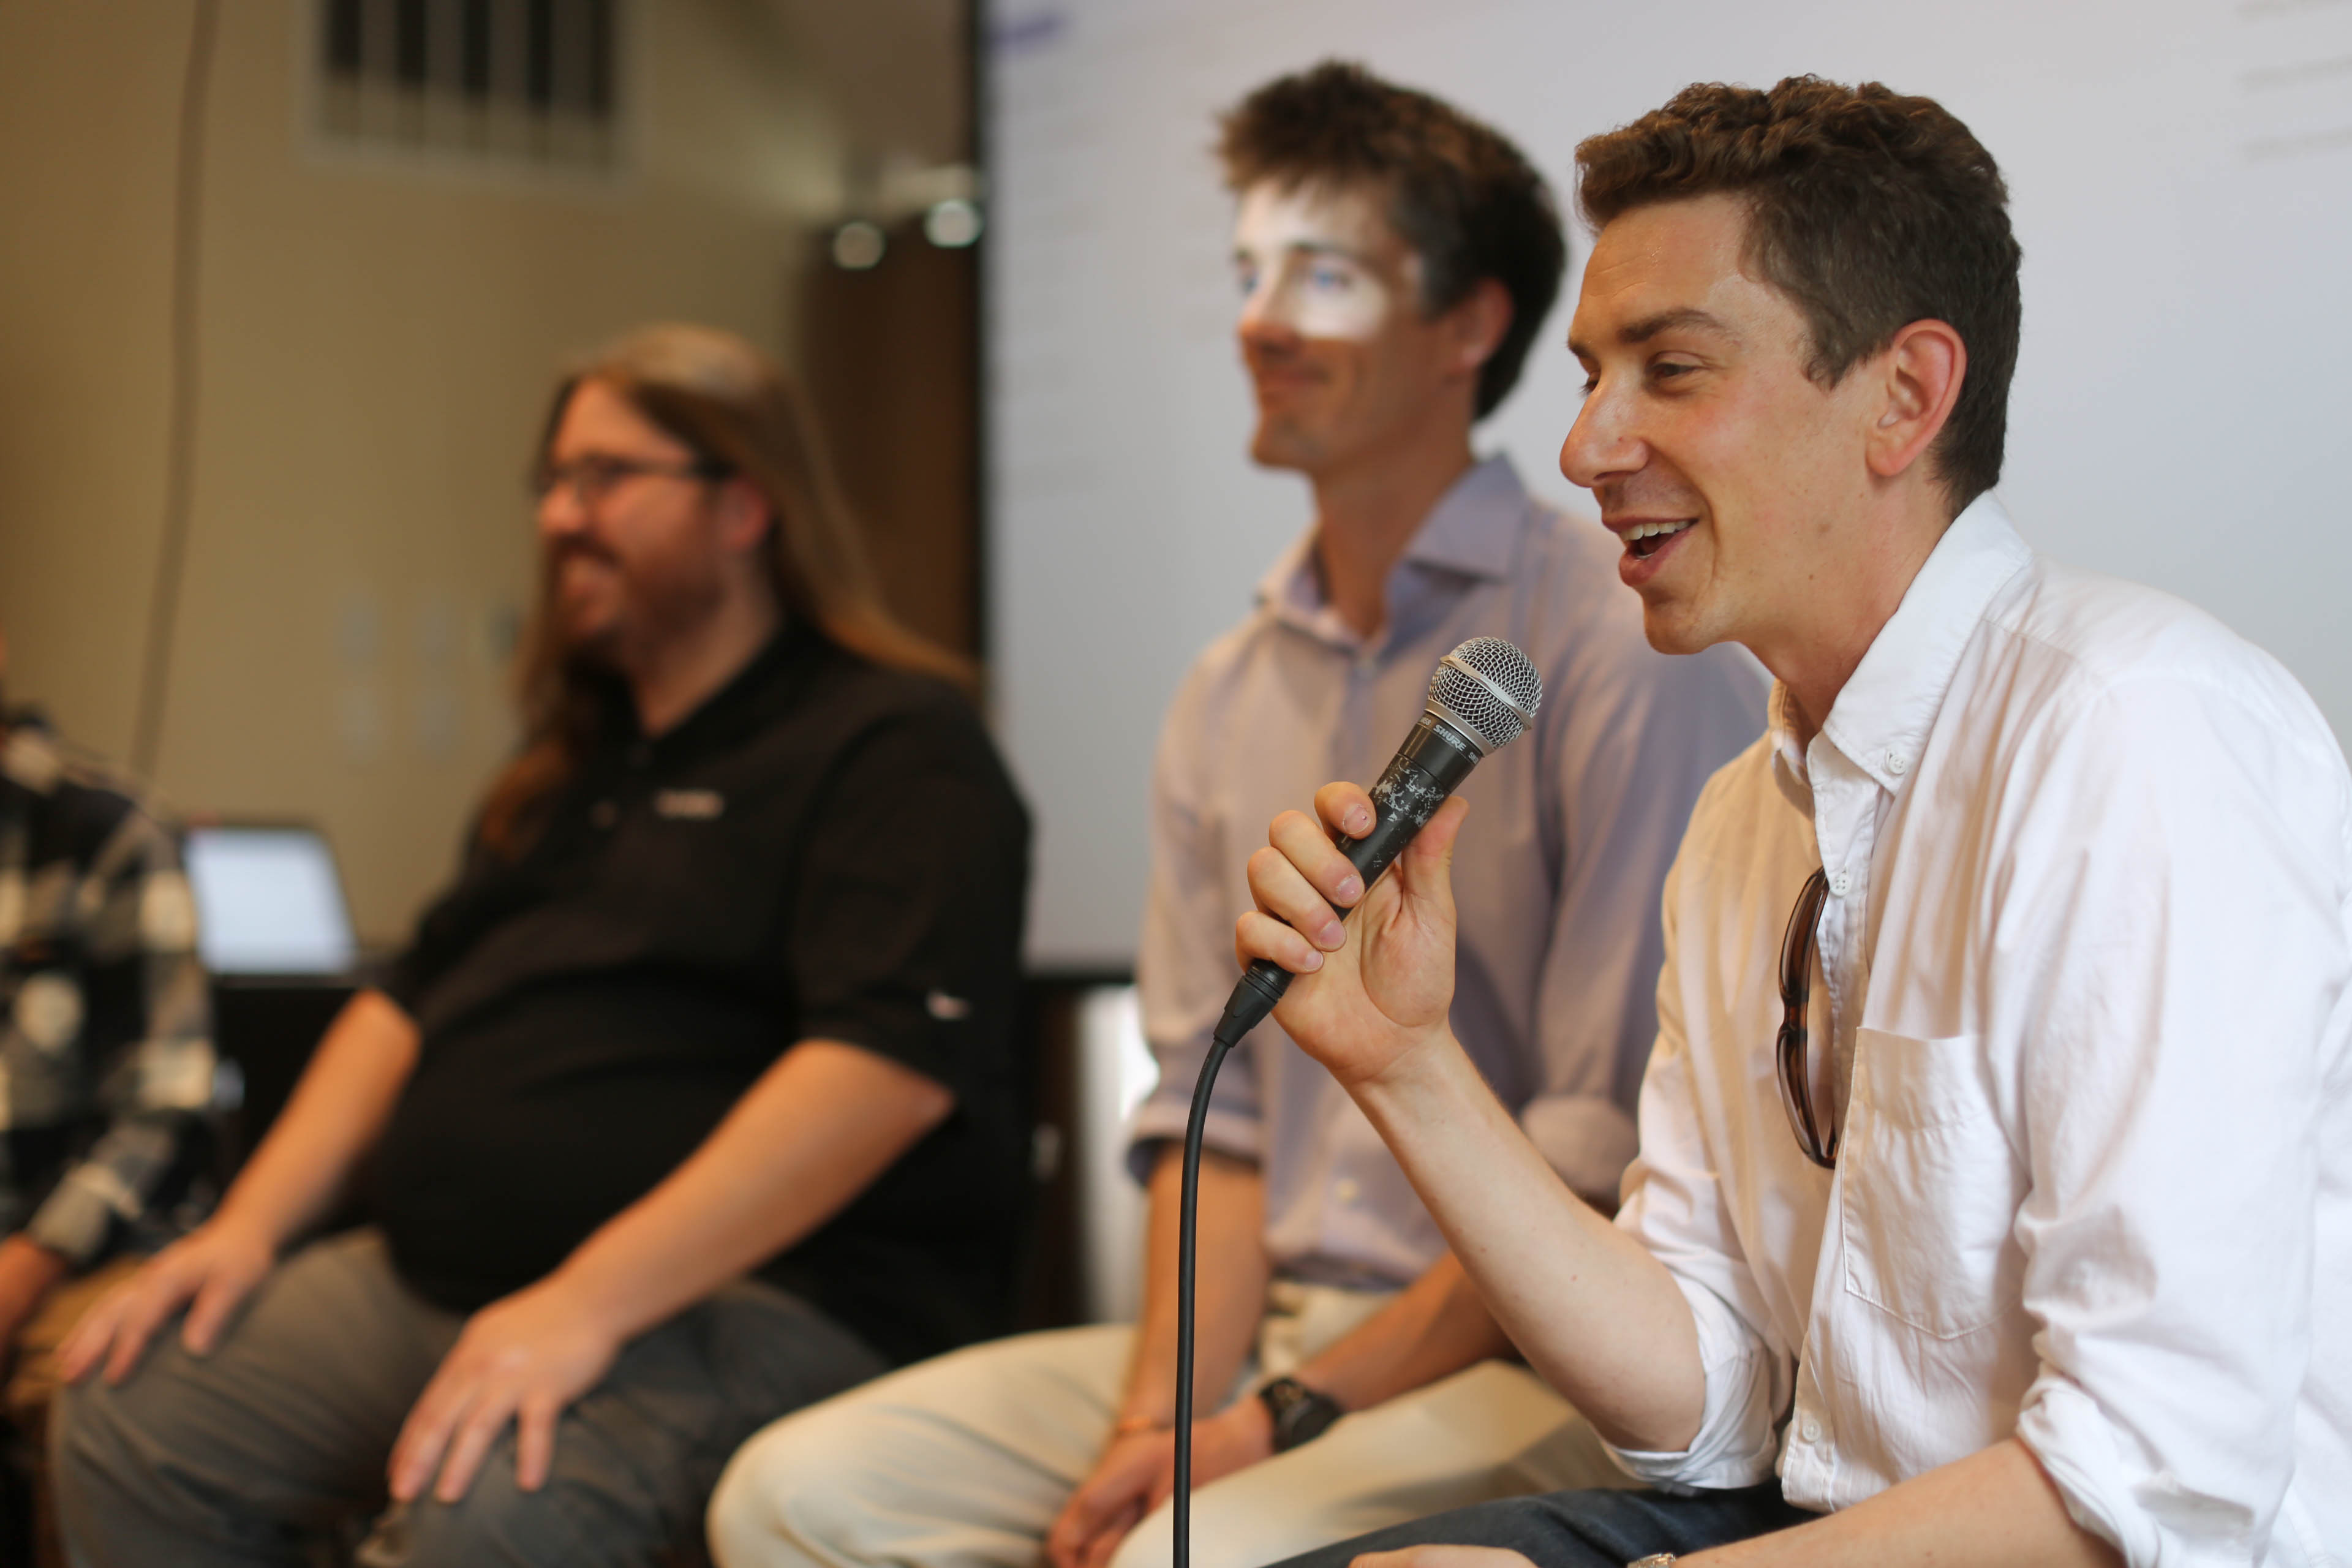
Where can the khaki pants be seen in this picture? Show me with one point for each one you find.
(963, 1461)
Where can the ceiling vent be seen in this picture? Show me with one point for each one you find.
(519, 84)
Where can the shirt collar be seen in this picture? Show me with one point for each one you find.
(1882, 716)
(739, 703)
(1472, 531)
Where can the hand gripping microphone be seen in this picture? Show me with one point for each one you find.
(1483, 696)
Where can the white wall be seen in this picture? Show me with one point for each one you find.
(2182, 181)
(378, 336)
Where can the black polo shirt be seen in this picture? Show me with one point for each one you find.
(824, 850)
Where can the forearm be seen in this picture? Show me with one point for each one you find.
(110, 1184)
(29, 1272)
(1598, 1317)
(335, 1115)
(815, 1129)
(1996, 1509)
(1231, 1280)
(1436, 1326)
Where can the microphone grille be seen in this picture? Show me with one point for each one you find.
(1491, 688)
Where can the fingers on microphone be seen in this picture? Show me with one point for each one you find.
(1308, 847)
(1285, 890)
(1280, 891)
(1345, 809)
(1259, 935)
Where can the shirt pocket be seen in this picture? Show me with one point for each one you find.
(1929, 1187)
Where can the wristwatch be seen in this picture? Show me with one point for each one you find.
(1654, 1560)
(1299, 1412)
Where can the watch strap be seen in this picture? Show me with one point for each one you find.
(1300, 1414)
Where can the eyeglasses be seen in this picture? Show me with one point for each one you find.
(1796, 995)
(593, 478)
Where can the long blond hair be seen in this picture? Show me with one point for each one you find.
(736, 409)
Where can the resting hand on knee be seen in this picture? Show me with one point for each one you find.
(210, 1272)
(1138, 1473)
(524, 1359)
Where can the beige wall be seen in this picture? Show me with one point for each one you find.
(376, 341)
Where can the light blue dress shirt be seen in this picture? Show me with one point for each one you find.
(1557, 876)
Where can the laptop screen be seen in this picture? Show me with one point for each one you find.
(269, 901)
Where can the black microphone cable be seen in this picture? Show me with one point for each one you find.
(1483, 697)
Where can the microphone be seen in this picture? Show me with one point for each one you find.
(1483, 697)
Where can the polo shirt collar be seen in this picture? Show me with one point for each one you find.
(1881, 717)
(740, 702)
(1472, 531)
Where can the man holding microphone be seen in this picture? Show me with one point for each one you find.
(1995, 1149)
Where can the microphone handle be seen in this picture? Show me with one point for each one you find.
(1430, 766)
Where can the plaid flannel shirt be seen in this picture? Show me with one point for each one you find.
(106, 1059)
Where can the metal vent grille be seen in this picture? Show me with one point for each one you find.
(518, 83)
(1491, 688)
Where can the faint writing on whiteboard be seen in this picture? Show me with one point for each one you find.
(1022, 35)
(2294, 79)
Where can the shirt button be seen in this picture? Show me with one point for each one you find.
(603, 814)
(1810, 1430)
(1345, 1189)
(1840, 883)
(1897, 764)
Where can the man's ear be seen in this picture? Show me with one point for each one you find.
(1918, 375)
(1477, 324)
(744, 516)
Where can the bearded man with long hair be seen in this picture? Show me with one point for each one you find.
(693, 1100)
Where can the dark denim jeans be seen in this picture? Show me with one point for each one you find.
(1584, 1529)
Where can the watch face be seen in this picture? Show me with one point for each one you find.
(1299, 1414)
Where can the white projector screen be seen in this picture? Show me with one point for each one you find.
(2180, 173)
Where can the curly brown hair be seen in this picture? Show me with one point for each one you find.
(1459, 193)
(1869, 209)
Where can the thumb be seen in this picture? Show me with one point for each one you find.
(1424, 872)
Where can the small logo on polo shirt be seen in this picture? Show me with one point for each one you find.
(689, 805)
(947, 1009)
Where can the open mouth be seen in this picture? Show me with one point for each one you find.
(1646, 540)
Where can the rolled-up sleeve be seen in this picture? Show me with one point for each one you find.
(1184, 964)
(1640, 735)
(1676, 1204)
(2188, 1055)
(906, 933)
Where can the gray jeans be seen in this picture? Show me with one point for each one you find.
(249, 1454)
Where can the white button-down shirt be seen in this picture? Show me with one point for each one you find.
(2083, 1009)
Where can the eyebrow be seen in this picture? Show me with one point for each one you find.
(1312, 247)
(1649, 326)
